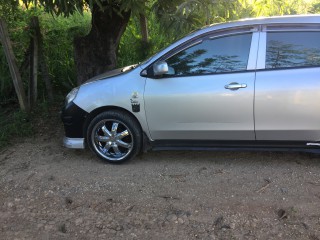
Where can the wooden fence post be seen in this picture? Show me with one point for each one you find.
(33, 78)
(144, 28)
(42, 60)
(14, 71)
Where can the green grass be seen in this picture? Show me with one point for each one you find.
(16, 125)
(13, 125)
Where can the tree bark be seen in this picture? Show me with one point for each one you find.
(97, 52)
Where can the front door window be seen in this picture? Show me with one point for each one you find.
(219, 55)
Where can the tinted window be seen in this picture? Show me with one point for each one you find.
(293, 49)
(225, 54)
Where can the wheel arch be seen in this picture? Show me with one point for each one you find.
(99, 110)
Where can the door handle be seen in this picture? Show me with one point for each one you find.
(235, 86)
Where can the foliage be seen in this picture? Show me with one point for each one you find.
(8, 9)
(131, 39)
(193, 14)
(69, 7)
(315, 8)
(58, 33)
(278, 7)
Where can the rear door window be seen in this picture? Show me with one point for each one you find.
(292, 49)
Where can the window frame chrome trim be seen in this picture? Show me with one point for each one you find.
(233, 31)
(184, 48)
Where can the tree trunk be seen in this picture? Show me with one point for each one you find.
(97, 52)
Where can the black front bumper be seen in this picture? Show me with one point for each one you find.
(73, 118)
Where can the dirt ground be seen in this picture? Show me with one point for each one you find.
(49, 192)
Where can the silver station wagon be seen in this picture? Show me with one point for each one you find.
(249, 85)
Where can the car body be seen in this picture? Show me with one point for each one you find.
(249, 84)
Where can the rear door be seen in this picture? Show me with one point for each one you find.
(287, 89)
(208, 92)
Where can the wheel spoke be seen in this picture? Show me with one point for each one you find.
(106, 131)
(114, 128)
(123, 144)
(122, 134)
(106, 148)
(116, 150)
(102, 138)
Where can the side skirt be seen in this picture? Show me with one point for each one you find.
(275, 146)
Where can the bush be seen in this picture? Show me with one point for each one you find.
(58, 34)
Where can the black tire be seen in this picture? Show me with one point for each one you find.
(114, 136)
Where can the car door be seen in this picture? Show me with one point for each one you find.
(208, 92)
(287, 92)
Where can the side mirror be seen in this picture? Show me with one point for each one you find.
(160, 68)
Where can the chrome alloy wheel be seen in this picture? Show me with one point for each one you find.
(112, 139)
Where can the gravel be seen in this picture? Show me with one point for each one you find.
(49, 192)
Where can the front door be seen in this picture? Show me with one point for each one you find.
(208, 93)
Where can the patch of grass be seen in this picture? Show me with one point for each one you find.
(13, 125)
(16, 124)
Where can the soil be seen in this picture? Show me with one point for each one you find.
(50, 192)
